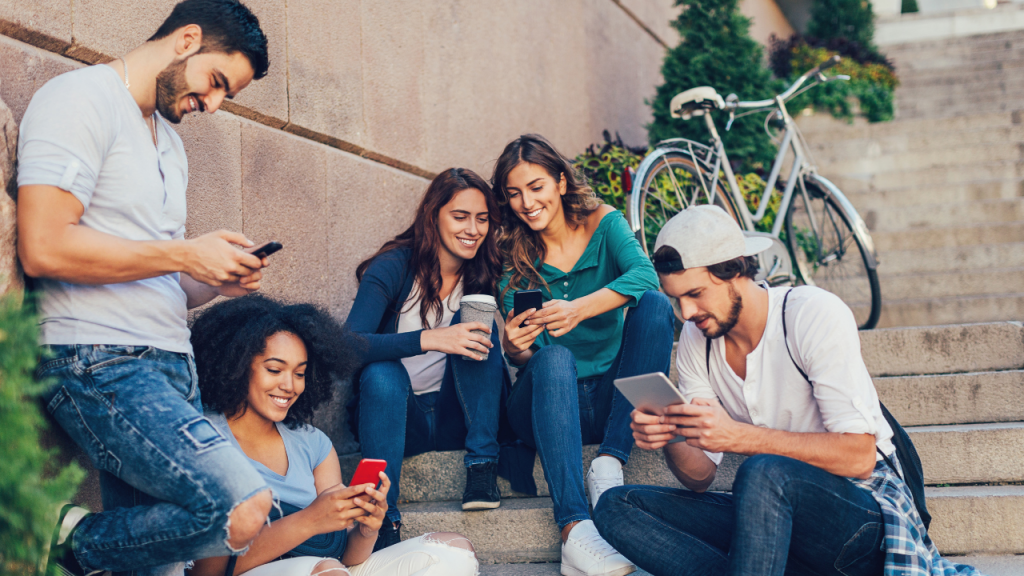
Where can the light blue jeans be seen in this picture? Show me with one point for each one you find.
(170, 480)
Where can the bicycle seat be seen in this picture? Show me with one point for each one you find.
(701, 98)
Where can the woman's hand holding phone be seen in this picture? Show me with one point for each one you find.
(375, 506)
(457, 339)
(335, 509)
(518, 337)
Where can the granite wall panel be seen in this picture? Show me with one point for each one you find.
(214, 147)
(40, 18)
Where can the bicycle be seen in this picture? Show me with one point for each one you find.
(813, 238)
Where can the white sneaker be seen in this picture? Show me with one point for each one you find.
(605, 473)
(585, 553)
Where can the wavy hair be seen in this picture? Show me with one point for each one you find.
(522, 246)
(227, 336)
(479, 275)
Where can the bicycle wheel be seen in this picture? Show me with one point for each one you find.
(829, 255)
(670, 185)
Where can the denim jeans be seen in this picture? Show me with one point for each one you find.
(551, 410)
(135, 411)
(395, 423)
(784, 517)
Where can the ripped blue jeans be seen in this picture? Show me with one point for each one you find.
(170, 480)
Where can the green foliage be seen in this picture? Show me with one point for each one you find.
(908, 6)
(30, 489)
(717, 51)
(603, 165)
(850, 19)
(872, 83)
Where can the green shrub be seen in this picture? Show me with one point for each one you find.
(717, 51)
(30, 487)
(908, 6)
(849, 19)
(602, 165)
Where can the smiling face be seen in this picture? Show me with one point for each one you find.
(463, 223)
(710, 303)
(200, 82)
(535, 196)
(277, 377)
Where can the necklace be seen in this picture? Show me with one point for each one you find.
(150, 122)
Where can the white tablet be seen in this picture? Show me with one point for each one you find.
(651, 393)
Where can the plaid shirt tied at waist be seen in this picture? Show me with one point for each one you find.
(908, 549)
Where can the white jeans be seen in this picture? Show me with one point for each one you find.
(421, 556)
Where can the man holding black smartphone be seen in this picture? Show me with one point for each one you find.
(101, 216)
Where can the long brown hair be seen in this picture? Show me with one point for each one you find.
(522, 246)
(479, 275)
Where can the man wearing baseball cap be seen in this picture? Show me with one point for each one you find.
(775, 374)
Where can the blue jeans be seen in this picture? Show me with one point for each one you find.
(784, 517)
(552, 411)
(395, 423)
(136, 413)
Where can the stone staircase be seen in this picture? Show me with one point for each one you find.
(957, 389)
(941, 186)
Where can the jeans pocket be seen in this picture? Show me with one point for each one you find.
(861, 555)
(107, 356)
(69, 415)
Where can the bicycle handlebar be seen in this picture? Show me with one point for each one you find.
(816, 71)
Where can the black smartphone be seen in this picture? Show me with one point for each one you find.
(266, 249)
(524, 300)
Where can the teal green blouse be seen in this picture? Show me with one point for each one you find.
(613, 259)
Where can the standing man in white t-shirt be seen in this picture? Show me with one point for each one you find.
(810, 498)
(101, 216)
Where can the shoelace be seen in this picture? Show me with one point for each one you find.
(480, 480)
(603, 483)
(597, 546)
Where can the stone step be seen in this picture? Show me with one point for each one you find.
(1006, 565)
(930, 195)
(958, 258)
(992, 282)
(950, 310)
(948, 236)
(977, 519)
(821, 127)
(969, 398)
(872, 161)
(985, 87)
(951, 349)
(949, 214)
(966, 520)
(852, 184)
(971, 453)
(940, 111)
(836, 148)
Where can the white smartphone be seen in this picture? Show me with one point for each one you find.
(651, 393)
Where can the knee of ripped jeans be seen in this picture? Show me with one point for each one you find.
(452, 539)
(330, 567)
(246, 520)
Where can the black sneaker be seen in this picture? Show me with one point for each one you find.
(388, 535)
(481, 487)
(61, 556)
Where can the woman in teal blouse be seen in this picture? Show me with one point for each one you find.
(560, 238)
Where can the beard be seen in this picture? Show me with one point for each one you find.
(724, 326)
(171, 86)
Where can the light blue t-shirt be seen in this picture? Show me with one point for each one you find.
(306, 446)
(84, 133)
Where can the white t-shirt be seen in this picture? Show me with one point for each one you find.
(825, 344)
(84, 133)
(426, 370)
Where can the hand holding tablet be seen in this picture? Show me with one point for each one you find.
(651, 394)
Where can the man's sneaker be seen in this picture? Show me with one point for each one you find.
(481, 487)
(605, 473)
(61, 556)
(585, 553)
(388, 535)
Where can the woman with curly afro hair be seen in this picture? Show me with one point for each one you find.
(264, 367)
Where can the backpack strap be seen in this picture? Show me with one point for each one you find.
(785, 338)
(707, 355)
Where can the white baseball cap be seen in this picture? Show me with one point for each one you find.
(703, 236)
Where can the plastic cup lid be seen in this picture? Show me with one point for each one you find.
(482, 298)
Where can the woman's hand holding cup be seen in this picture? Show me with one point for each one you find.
(458, 339)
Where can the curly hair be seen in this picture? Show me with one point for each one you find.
(227, 336)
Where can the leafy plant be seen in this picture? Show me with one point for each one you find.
(602, 165)
(908, 6)
(30, 488)
(849, 19)
(717, 51)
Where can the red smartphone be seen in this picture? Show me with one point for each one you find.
(368, 472)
